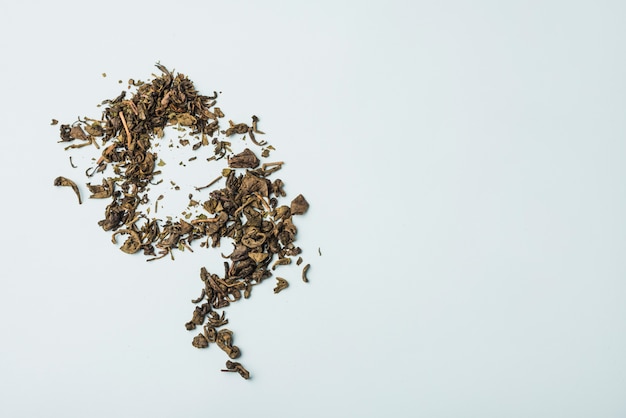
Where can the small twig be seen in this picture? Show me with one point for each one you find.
(125, 127)
(200, 221)
(132, 106)
(109, 148)
(210, 184)
(269, 168)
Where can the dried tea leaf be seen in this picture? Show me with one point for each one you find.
(132, 244)
(236, 128)
(103, 191)
(299, 205)
(225, 342)
(62, 181)
(232, 366)
(184, 119)
(200, 341)
(281, 284)
(258, 257)
(281, 262)
(76, 132)
(245, 159)
(94, 129)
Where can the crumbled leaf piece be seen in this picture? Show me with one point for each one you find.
(132, 243)
(245, 159)
(304, 271)
(258, 257)
(299, 205)
(232, 366)
(281, 284)
(281, 262)
(225, 342)
(103, 191)
(200, 341)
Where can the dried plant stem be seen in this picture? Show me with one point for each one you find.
(107, 150)
(210, 184)
(125, 127)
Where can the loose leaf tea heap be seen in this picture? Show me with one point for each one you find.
(247, 210)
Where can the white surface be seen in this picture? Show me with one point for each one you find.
(464, 162)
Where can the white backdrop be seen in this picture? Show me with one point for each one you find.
(464, 166)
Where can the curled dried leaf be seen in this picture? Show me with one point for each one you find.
(132, 244)
(281, 262)
(224, 341)
(232, 366)
(103, 191)
(280, 284)
(62, 181)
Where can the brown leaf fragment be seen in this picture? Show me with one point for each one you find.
(255, 119)
(236, 128)
(103, 191)
(299, 205)
(64, 133)
(233, 366)
(62, 181)
(280, 284)
(200, 341)
(184, 119)
(304, 271)
(210, 333)
(245, 159)
(225, 342)
(258, 257)
(132, 244)
(281, 212)
(281, 262)
(76, 132)
(251, 184)
(199, 298)
(94, 129)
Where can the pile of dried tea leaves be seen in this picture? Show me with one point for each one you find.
(247, 211)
